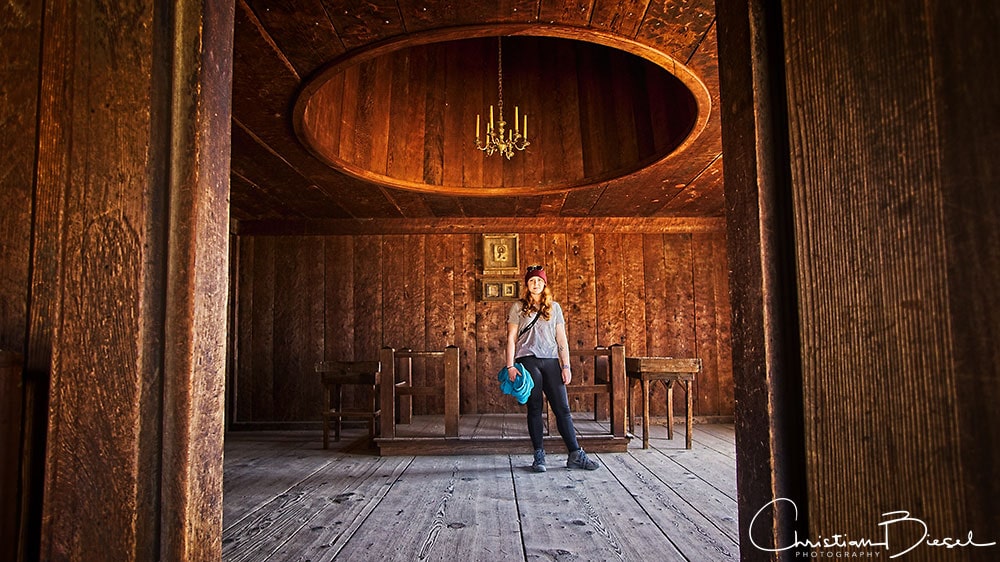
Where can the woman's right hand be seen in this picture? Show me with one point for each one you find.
(511, 373)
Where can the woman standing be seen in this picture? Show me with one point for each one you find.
(536, 338)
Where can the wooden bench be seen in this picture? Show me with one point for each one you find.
(647, 370)
(608, 381)
(336, 374)
(397, 377)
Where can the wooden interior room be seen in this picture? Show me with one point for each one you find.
(204, 202)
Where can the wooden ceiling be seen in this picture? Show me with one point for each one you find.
(282, 50)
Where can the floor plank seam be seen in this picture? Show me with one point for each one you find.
(251, 512)
(520, 522)
(684, 497)
(594, 516)
(656, 494)
(370, 508)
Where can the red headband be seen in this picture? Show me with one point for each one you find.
(535, 271)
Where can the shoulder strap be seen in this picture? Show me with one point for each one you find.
(525, 329)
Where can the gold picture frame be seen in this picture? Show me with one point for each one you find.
(500, 254)
(499, 289)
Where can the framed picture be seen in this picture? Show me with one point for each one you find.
(500, 254)
(499, 289)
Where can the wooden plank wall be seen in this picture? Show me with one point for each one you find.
(369, 116)
(301, 299)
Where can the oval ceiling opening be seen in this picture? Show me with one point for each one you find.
(406, 118)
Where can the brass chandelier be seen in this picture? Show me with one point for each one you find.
(499, 139)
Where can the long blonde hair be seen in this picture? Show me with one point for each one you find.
(544, 308)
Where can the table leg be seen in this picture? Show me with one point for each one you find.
(326, 416)
(630, 423)
(670, 409)
(687, 393)
(645, 414)
(340, 410)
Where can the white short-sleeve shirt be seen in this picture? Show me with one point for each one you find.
(540, 340)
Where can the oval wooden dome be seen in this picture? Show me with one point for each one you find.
(406, 117)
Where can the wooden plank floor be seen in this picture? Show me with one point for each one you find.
(287, 499)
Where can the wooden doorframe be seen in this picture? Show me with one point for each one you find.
(767, 373)
(124, 362)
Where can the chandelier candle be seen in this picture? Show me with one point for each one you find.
(504, 141)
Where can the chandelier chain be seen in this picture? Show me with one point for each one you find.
(499, 138)
(500, 77)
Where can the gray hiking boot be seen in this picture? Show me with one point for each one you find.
(539, 464)
(579, 459)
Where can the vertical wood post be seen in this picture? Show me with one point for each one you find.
(616, 374)
(451, 391)
(770, 444)
(601, 351)
(387, 393)
(197, 277)
(406, 376)
(127, 318)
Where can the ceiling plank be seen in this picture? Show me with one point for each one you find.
(276, 45)
(279, 180)
(421, 15)
(677, 27)
(567, 12)
(360, 22)
(263, 88)
(619, 16)
(249, 202)
(302, 31)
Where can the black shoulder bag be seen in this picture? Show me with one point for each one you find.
(525, 329)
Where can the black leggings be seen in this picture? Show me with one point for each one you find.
(547, 376)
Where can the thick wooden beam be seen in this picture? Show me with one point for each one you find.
(126, 329)
(480, 225)
(196, 279)
(770, 444)
(20, 60)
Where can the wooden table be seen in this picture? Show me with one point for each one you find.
(647, 370)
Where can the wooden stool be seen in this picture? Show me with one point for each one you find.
(335, 374)
(647, 370)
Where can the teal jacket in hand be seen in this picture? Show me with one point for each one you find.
(522, 385)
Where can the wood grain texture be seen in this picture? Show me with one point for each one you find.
(581, 306)
(283, 46)
(120, 331)
(875, 293)
(315, 40)
(19, 57)
(90, 446)
(264, 112)
(196, 287)
(18, 113)
(969, 202)
(260, 314)
(439, 515)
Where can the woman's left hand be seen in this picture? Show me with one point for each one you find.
(567, 375)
